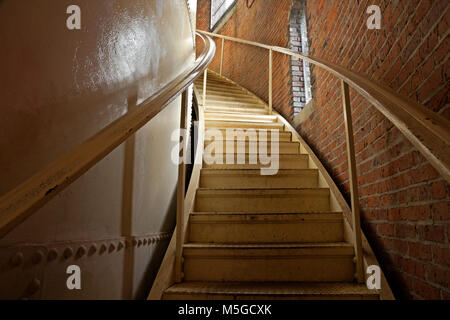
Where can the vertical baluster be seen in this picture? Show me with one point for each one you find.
(270, 79)
(353, 182)
(221, 56)
(181, 190)
(205, 78)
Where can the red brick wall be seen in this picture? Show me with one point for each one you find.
(405, 203)
(266, 22)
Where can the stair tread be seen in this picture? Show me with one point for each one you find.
(267, 191)
(297, 245)
(271, 288)
(281, 172)
(266, 214)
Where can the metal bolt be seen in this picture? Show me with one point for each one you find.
(92, 249)
(52, 255)
(17, 259)
(103, 248)
(68, 252)
(37, 257)
(81, 251)
(34, 286)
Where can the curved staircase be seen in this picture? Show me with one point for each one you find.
(254, 236)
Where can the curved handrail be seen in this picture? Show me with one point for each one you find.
(426, 130)
(19, 203)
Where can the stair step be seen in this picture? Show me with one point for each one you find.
(234, 94)
(219, 87)
(216, 82)
(298, 161)
(265, 118)
(241, 134)
(255, 147)
(233, 110)
(243, 124)
(269, 262)
(266, 228)
(263, 201)
(269, 291)
(245, 104)
(252, 179)
(230, 96)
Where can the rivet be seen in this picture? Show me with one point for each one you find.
(103, 248)
(37, 257)
(17, 259)
(68, 252)
(112, 247)
(52, 255)
(34, 286)
(81, 251)
(92, 249)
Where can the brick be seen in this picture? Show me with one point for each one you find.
(420, 251)
(438, 275)
(425, 290)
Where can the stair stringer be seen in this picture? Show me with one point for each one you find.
(166, 274)
(337, 200)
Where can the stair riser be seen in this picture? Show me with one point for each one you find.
(203, 296)
(230, 97)
(306, 201)
(238, 111)
(269, 232)
(211, 100)
(219, 86)
(232, 103)
(241, 117)
(244, 134)
(223, 181)
(286, 268)
(252, 148)
(238, 124)
(284, 164)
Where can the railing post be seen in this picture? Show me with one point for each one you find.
(353, 182)
(181, 190)
(221, 56)
(205, 78)
(270, 79)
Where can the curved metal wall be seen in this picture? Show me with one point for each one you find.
(58, 88)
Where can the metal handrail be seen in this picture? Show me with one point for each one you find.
(426, 130)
